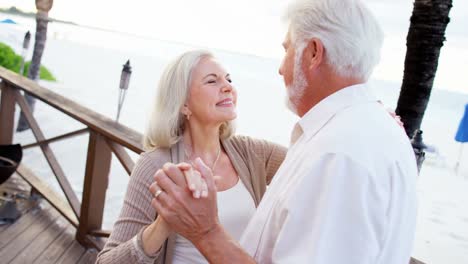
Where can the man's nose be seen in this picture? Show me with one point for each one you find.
(280, 70)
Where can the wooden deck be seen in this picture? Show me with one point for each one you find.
(41, 234)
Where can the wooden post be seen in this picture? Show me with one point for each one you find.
(7, 114)
(95, 185)
(48, 154)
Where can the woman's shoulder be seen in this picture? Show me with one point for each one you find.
(244, 140)
(255, 146)
(251, 142)
(154, 158)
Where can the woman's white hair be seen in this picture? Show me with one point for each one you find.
(166, 122)
(351, 36)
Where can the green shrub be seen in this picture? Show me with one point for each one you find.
(12, 61)
(44, 73)
(9, 59)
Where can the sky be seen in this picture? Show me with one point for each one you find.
(203, 17)
(236, 23)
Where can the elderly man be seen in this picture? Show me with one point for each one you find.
(346, 190)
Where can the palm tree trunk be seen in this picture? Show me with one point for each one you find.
(425, 38)
(33, 74)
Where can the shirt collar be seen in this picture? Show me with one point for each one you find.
(322, 112)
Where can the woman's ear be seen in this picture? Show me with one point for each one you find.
(186, 111)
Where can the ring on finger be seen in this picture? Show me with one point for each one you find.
(157, 193)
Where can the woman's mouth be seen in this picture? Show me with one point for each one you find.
(225, 103)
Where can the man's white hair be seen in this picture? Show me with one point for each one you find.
(166, 122)
(351, 36)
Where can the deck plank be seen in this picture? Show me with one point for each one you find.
(88, 257)
(16, 246)
(40, 243)
(14, 188)
(57, 247)
(72, 254)
(24, 207)
(15, 229)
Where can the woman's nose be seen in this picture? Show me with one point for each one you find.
(227, 87)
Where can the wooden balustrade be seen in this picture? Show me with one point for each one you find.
(7, 114)
(105, 137)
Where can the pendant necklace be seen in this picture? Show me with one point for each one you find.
(187, 156)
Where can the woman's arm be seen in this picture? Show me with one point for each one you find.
(154, 236)
(266, 154)
(128, 241)
(274, 157)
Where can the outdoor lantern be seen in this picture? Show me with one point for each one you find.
(124, 82)
(125, 77)
(27, 39)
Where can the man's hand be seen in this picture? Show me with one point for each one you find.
(191, 218)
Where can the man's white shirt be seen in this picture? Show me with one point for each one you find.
(346, 192)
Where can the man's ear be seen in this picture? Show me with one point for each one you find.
(313, 54)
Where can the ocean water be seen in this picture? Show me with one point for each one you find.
(88, 62)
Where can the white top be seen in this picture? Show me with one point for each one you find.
(235, 208)
(345, 192)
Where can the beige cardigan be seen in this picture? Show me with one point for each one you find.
(256, 161)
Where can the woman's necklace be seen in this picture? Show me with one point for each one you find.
(187, 156)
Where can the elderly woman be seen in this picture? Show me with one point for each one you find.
(193, 117)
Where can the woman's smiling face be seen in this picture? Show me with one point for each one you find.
(212, 98)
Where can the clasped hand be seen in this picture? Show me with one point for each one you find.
(185, 197)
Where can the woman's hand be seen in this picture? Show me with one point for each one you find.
(157, 232)
(396, 117)
(196, 184)
(194, 180)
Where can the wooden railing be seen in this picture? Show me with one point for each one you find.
(105, 137)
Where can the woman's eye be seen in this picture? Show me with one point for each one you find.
(211, 81)
(229, 80)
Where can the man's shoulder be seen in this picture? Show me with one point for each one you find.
(366, 124)
(368, 134)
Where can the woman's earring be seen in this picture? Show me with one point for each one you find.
(187, 113)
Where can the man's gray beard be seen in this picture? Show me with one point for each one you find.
(296, 90)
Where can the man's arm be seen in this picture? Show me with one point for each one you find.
(196, 219)
(218, 247)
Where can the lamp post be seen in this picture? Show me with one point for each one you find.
(124, 82)
(27, 39)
